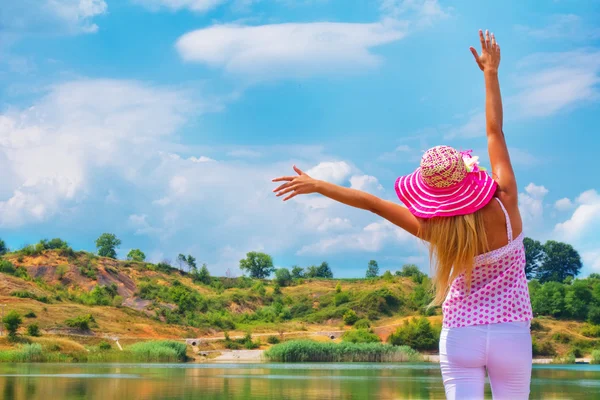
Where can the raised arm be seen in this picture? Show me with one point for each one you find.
(488, 62)
(304, 184)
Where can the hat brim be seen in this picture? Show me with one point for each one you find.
(468, 196)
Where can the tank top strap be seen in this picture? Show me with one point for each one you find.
(508, 225)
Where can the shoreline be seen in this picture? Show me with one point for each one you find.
(255, 356)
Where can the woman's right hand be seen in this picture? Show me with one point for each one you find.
(489, 59)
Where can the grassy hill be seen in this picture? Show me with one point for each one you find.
(138, 301)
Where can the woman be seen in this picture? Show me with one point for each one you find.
(472, 225)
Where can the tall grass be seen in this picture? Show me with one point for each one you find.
(310, 351)
(23, 353)
(160, 351)
(595, 357)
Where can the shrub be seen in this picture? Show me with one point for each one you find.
(61, 271)
(273, 340)
(338, 288)
(576, 351)
(536, 325)
(417, 334)
(30, 314)
(380, 301)
(7, 267)
(543, 349)
(81, 322)
(362, 324)
(104, 345)
(33, 330)
(136, 255)
(341, 298)
(89, 271)
(12, 321)
(595, 357)
(360, 336)
(350, 317)
(562, 337)
(283, 277)
(592, 331)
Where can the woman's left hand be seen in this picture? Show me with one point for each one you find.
(299, 184)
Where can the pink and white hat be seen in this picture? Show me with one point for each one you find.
(447, 183)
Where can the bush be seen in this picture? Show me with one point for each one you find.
(577, 352)
(12, 321)
(61, 271)
(283, 277)
(595, 357)
(104, 346)
(362, 324)
(360, 336)
(8, 268)
(341, 298)
(30, 314)
(89, 271)
(592, 331)
(387, 276)
(536, 325)
(82, 322)
(350, 317)
(33, 330)
(380, 301)
(417, 334)
(338, 288)
(543, 349)
(273, 340)
(562, 337)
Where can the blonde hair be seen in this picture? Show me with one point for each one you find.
(453, 244)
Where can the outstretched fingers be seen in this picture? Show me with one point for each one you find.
(482, 40)
(286, 190)
(477, 60)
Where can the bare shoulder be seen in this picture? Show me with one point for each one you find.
(511, 203)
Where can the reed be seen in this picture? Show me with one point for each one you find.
(310, 351)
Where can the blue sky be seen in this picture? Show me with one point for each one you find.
(163, 121)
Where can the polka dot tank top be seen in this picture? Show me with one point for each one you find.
(499, 291)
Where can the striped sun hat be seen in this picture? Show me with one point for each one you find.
(447, 183)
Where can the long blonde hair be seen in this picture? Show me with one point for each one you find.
(453, 244)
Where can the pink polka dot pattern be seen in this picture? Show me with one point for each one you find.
(499, 291)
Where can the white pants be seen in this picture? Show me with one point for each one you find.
(503, 349)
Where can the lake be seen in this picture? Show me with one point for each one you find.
(264, 381)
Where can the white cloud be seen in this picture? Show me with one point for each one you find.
(423, 11)
(56, 16)
(141, 225)
(531, 205)
(562, 26)
(556, 81)
(50, 148)
(365, 183)
(289, 50)
(371, 238)
(200, 159)
(564, 204)
(331, 171)
(334, 224)
(175, 5)
(591, 260)
(546, 84)
(585, 218)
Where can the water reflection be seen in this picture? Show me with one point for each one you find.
(262, 381)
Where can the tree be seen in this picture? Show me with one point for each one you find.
(372, 269)
(534, 255)
(560, 261)
(312, 272)
(136, 255)
(283, 277)
(203, 275)
(258, 265)
(12, 321)
(297, 272)
(350, 317)
(107, 244)
(323, 271)
(548, 299)
(3, 248)
(181, 261)
(413, 272)
(577, 299)
(191, 262)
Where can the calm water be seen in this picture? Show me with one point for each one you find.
(264, 381)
